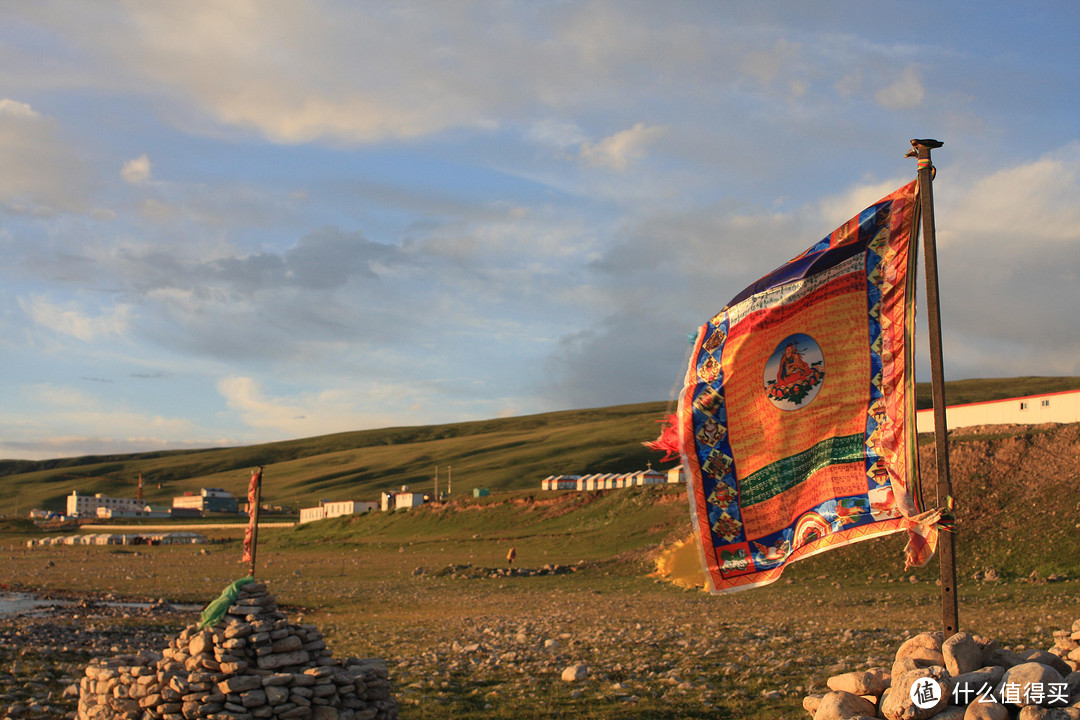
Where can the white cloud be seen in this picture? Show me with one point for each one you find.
(136, 170)
(17, 109)
(1034, 202)
(40, 174)
(619, 150)
(314, 413)
(71, 319)
(557, 133)
(66, 421)
(905, 93)
(838, 209)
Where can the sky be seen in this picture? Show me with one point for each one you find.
(225, 223)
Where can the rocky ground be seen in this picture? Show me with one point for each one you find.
(591, 655)
(43, 653)
(467, 637)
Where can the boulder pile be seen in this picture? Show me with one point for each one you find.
(251, 664)
(964, 677)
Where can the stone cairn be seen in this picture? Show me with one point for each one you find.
(252, 664)
(976, 679)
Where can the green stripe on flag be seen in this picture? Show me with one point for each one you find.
(786, 473)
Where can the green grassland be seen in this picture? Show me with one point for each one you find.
(501, 455)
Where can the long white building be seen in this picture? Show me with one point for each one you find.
(604, 481)
(1060, 407)
(332, 509)
(87, 505)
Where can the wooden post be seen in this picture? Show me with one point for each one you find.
(251, 537)
(947, 559)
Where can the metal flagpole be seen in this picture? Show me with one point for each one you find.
(949, 609)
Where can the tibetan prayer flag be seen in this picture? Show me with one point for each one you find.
(796, 423)
(254, 493)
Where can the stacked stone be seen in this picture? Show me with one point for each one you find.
(252, 665)
(974, 678)
(1067, 645)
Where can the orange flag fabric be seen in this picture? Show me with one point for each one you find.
(796, 423)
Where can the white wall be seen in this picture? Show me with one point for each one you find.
(1063, 407)
(311, 514)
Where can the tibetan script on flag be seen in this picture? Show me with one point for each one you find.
(796, 420)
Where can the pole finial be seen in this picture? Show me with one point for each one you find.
(926, 143)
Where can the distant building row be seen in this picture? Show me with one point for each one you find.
(174, 538)
(332, 509)
(391, 500)
(611, 481)
(103, 506)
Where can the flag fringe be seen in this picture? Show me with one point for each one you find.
(668, 441)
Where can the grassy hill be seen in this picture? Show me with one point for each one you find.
(503, 454)
(1014, 485)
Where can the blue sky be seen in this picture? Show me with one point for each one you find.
(228, 223)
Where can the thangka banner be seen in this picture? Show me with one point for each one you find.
(796, 424)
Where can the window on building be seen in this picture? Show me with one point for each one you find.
(1023, 406)
(1046, 403)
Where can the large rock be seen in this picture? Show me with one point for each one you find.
(280, 660)
(1002, 657)
(950, 713)
(240, 683)
(977, 684)
(918, 652)
(1034, 712)
(840, 705)
(867, 682)
(1028, 684)
(898, 705)
(962, 654)
(986, 711)
(919, 643)
(1047, 658)
(575, 673)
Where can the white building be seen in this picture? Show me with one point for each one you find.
(559, 482)
(408, 500)
(1061, 407)
(206, 500)
(675, 475)
(604, 481)
(332, 509)
(106, 513)
(87, 505)
(402, 499)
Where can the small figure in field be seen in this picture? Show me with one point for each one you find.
(510, 556)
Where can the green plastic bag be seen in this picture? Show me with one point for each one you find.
(216, 610)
